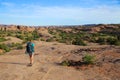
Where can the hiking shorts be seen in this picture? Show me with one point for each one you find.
(31, 53)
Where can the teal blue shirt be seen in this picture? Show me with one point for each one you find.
(33, 47)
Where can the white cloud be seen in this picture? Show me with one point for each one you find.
(7, 4)
(79, 14)
(69, 12)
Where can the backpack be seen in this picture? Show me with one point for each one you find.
(29, 47)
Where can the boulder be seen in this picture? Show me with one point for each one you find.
(1, 51)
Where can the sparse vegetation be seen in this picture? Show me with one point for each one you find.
(101, 40)
(89, 59)
(2, 39)
(5, 47)
(25, 36)
(15, 45)
(49, 40)
(10, 46)
(113, 41)
(81, 37)
(79, 42)
(86, 60)
(65, 63)
(42, 39)
(74, 37)
(68, 38)
(19, 47)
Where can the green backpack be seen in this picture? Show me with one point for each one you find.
(29, 47)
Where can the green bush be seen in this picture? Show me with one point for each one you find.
(9, 34)
(19, 47)
(89, 59)
(5, 47)
(65, 63)
(35, 35)
(79, 42)
(102, 40)
(28, 39)
(113, 41)
(20, 36)
(42, 39)
(51, 32)
(15, 45)
(61, 40)
(117, 43)
(2, 39)
(49, 40)
(70, 38)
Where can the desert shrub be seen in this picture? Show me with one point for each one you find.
(15, 45)
(118, 37)
(2, 39)
(65, 63)
(117, 43)
(28, 39)
(49, 40)
(20, 37)
(70, 38)
(79, 42)
(61, 40)
(101, 40)
(10, 44)
(51, 32)
(42, 39)
(9, 34)
(35, 35)
(89, 59)
(19, 32)
(2, 33)
(93, 39)
(5, 47)
(79, 37)
(29, 36)
(96, 37)
(108, 40)
(19, 47)
(113, 41)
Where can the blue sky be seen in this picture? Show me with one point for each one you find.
(59, 12)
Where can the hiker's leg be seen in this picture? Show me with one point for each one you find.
(31, 58)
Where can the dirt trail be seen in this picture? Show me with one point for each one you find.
(14, 65)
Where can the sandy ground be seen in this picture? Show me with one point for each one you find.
(14, 64)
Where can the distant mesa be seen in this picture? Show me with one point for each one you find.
(44, 29)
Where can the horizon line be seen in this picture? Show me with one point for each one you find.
(60, 25)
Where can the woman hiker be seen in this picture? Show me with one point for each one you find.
(30, 50)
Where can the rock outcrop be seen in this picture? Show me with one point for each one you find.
(44, 29)
(1, 51)
(16, 28)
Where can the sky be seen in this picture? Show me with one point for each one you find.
(59, 12)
